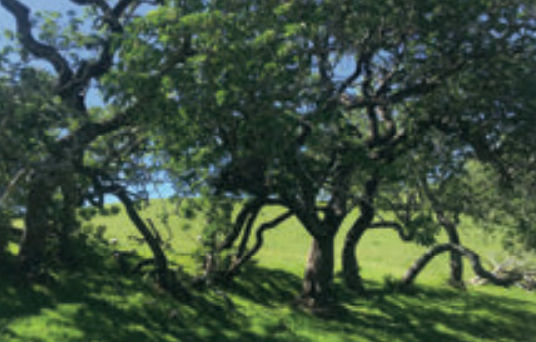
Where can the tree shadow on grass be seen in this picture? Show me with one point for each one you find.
(96, 303)
(265, 286)
(422, 314)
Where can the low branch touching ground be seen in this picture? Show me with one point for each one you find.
(474, 258)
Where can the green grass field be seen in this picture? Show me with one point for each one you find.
(93, 302)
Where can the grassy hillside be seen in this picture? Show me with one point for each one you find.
(94, 302)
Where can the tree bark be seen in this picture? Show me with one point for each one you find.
(68, 217)
(318, 279)
(160, 260)
(456, 262)
(246, 235)
(450, 226)
(350, 267)
(36, 224)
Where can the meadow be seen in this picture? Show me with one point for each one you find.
(94, 301)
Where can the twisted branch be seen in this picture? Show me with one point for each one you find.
(396, 226)
(24, 30)
(474, 258)
(233, 269)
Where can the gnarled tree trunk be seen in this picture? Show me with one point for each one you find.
(350, 267)
(68, 217)
(36, 223)
(318, 279)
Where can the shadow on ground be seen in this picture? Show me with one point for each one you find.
(98, 304)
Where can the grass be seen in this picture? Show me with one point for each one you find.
(94, 302)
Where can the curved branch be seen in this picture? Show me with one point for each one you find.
(99, 3)
(24, 30)
(233, 269)
(121, 6)
(250, 208)
(11, 185)
(247, 233)
(355, 74)
(420, 263)
(151, 238)
(396, 226)
(152, 241)
(95, 69)
(92, 130)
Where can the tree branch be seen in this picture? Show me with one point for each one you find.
(11, 185)
(251, 208)
(99, 3)
(354, 76)
(420, 263)
(121, 6)
(94, 70)
(40, 50)
(247, 232)
(393, 225)
(91, 130)
(233, 269)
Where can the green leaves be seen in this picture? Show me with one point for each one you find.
(424, 228)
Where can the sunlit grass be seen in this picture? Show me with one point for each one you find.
(98, 303)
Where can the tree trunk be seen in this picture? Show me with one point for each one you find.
(36, 224)
(450, 226)
(318, 279)
(456, 262)
(68, 218)
(160, 260)
(350, 268)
